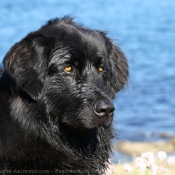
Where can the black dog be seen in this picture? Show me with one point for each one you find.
(56, 92)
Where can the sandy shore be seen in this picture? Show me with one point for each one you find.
(135, 149)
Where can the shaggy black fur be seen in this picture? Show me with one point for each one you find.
(56, 93)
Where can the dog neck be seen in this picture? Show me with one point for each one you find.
(87, 141)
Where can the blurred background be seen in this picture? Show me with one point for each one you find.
(145, 31)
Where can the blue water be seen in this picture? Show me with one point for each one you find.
(145, 30)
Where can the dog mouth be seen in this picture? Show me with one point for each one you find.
(90, 114)
(105, 123)
(89, 119)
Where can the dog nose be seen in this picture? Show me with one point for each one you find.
(104, 108)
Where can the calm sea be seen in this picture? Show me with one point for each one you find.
(145, 30)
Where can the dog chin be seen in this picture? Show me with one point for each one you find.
(108, 123)
(105, 123)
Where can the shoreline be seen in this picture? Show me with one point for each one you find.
(136, 148)
(126, 150)
(132, 150)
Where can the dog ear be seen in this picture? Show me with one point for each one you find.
(26, 63)
(118, 74)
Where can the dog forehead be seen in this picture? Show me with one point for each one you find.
(94, 41)
(81, 41)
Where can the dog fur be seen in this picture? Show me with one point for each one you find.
(48, 116)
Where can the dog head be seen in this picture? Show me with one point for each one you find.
(73, 71)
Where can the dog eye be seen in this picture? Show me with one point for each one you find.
(68, 68)
(101, 69)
